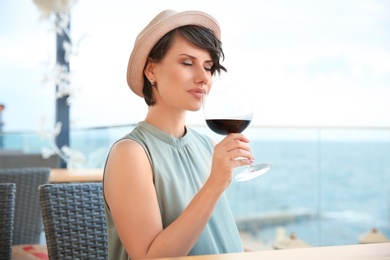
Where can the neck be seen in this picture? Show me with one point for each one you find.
(171, 122)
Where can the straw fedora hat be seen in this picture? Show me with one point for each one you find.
(163, 23)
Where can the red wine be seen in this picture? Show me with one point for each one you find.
(227, 126)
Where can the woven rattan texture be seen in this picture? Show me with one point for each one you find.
(28, 218)
(7, 207)
(74, 220)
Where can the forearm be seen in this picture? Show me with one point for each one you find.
(180, 236)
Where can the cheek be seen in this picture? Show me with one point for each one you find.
(169, 80)
(168, 83)
(168, 75)
(175, 75)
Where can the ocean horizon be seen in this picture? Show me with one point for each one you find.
(326, 185)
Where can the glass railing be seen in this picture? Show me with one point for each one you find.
(328, 186)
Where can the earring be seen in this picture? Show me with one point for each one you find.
(152, 83)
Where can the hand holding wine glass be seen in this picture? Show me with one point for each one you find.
(226, 111)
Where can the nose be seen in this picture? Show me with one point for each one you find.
(202, 76)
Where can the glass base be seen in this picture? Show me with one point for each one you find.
(252, 172)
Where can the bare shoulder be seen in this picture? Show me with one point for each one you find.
(127, 167)
(127, 151)
(126, 155)
(126, 146)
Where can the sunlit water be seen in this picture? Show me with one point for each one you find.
(328, 186)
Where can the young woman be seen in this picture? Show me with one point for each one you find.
(164, 183)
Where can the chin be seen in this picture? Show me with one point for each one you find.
(194, 108)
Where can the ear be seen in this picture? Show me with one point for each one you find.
(149, 70)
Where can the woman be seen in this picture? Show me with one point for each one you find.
(164, 183)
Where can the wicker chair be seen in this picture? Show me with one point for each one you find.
(19, 159)
(74, 220)
(7, 207)
(28, 225)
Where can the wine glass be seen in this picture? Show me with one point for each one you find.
(227, 110)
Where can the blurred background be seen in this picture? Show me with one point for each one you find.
(304, 64)
(317, 72)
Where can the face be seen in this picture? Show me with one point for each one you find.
(182, 76)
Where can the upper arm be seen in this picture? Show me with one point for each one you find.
(131, 197)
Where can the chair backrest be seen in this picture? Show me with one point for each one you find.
(19, 159)
(28, 217)
(74, 220)
(7, 207)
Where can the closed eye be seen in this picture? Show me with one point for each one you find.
(208, 66)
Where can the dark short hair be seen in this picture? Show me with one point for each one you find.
(200, 37)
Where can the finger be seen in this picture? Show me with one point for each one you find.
(240, 154)
(242, 162)
(237, 136)
(236, 144)
(232, 140)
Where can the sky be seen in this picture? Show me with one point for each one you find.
(302, 63)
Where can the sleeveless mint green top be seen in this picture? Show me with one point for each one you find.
(180, 168)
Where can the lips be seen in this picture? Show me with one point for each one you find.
(198, 93)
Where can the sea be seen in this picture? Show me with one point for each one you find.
(328, 186)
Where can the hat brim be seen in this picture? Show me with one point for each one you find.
(153, 33)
